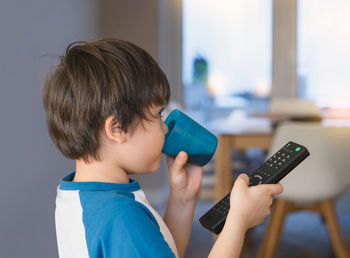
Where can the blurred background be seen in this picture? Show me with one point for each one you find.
(227, 61)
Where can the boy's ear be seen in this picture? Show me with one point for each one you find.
(113, 130)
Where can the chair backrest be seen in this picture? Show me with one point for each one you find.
(293, 106)
(325, 173)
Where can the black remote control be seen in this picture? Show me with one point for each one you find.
(271, 172)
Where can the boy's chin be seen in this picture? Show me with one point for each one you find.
(151, 167)
(156, 165)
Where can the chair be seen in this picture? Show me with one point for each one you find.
(315, 183)
(292, 106)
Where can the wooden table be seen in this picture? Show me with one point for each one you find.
(245, 140)
(223, 159)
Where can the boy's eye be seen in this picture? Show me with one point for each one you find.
(160, 113)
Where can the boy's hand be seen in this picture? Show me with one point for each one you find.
(251, 205)
(184, 178)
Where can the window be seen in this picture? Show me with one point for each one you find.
(227, 52)
(323, 52)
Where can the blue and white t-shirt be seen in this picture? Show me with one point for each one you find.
(95, 219)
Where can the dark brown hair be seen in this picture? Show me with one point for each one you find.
(93, 81)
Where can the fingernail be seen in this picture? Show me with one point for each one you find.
(182, 155)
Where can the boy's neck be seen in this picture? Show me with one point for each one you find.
(96, 171)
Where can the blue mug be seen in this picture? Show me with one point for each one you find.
(185, 134)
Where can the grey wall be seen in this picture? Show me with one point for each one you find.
(30, 165)
(32, 33)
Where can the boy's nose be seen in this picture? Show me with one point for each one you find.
(165, 128)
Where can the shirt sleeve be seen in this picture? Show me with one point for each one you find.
(136, 235)
(124, 230)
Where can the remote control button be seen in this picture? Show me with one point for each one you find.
(297, 149)
(255, 180)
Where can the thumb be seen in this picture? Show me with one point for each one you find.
(244, 178)
(242, 181)
(179, 162)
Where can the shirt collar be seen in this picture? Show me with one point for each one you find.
(66, 183)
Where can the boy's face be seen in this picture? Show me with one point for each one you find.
(144, 148)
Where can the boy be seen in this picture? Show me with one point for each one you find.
(104, 103)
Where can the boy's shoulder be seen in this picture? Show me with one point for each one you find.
(102, 202)
(113, 217)
(113, 206)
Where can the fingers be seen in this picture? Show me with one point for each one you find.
(272, 189)
(279, 188)
(275, 188)
(179, 161)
